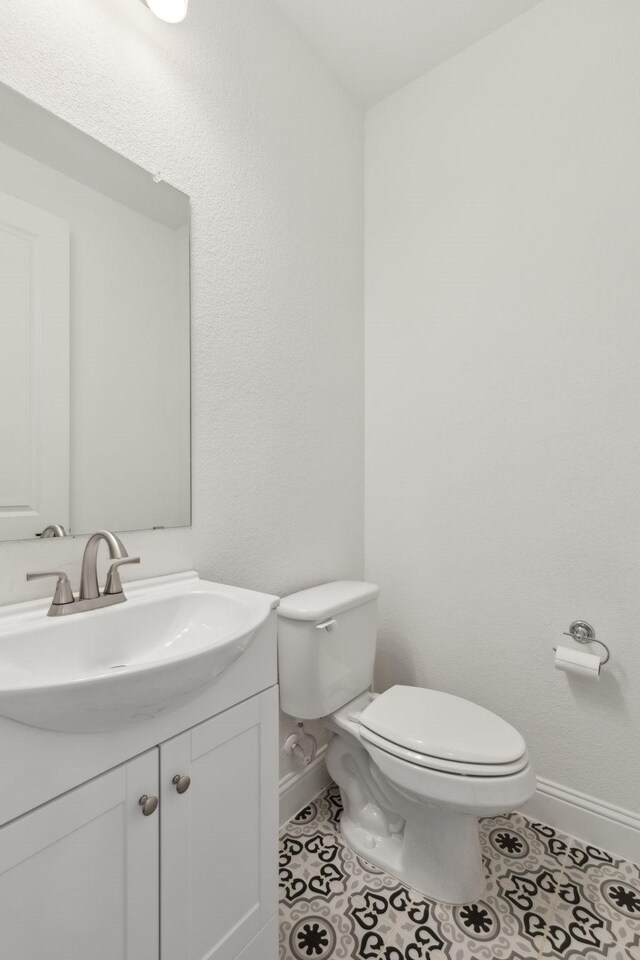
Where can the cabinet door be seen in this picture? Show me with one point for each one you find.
(219, 837)
(79, 876)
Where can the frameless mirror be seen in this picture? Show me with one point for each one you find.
(94, 334)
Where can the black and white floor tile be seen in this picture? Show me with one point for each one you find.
(548, 897)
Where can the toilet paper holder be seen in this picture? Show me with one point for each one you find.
(583, 632)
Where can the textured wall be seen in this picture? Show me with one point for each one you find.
(236, 111)
(503, 397)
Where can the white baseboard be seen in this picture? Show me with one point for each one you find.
(586, 818)
(297, 789)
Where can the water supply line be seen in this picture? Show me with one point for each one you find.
(302, 745)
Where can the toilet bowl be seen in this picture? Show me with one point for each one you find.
(416, 767)
(416, 815)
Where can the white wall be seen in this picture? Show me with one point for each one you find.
(236, 111)
(503, 396)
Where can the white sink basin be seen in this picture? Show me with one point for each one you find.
(103, 669)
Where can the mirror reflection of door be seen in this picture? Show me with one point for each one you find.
(95, 426)
(34, 369)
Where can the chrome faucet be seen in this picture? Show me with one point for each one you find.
(90, 597)
(89, 574)
(53, 530)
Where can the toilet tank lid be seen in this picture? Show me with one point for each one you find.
(327, 599)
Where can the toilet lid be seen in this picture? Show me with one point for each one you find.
(436, 724)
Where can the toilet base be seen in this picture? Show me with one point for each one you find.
(441, 859)
(433, 849)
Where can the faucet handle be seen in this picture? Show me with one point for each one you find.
(63, 593)
(113, 582)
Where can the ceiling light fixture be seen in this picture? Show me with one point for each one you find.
(171, 11)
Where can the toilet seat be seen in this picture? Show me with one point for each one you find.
(436, 730)
(452, 767)
(479, 795)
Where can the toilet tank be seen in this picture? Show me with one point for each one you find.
(326, 646)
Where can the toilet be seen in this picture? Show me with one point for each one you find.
(416, 767)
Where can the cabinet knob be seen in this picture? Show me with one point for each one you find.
(149, 804)
(181, 783)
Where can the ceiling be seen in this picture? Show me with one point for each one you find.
(377, 46)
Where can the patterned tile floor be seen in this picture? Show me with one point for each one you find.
(548, 897)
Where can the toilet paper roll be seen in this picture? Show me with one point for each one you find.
(578, 662)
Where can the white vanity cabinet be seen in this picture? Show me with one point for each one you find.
(79, 875)
(86, 872)
(219, 838)
(89, 875)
